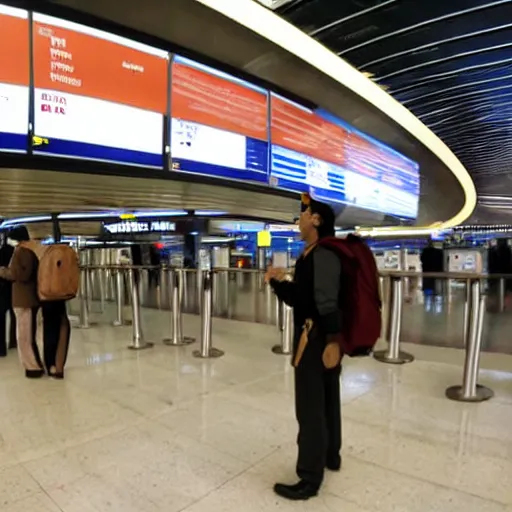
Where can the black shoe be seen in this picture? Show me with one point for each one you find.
(301, 491)
(333, 463)
(34, 374)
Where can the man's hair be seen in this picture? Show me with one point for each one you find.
(18, 233)
(324, 211)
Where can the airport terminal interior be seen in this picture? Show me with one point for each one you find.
(160, 164)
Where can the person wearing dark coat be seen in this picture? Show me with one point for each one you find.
(431, 261)
(6, 252)
(314, 294)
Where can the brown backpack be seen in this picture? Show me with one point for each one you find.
(58, 276)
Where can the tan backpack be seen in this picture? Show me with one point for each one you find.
(58, 276)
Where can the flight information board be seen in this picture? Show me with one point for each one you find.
(313, 151)
(219, 123)
(380, 179)
(14, 79)
(308, 151)
(97, 95)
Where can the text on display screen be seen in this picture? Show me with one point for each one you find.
(219, 123)
(109, 108)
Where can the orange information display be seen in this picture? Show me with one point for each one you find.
(304, 131)
(219, 123)
(98, 95)
(211, 100)
(14, 79)
(14, 47)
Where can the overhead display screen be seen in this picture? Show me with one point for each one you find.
(97, 95)
(219, 124)
(308, 151)
(378, 178)
(14, 79)
(313, 151)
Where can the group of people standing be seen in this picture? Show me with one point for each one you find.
(19, 265)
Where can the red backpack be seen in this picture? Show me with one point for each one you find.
(360, 302)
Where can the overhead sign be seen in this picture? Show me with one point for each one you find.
(139, 227)
(264, 238)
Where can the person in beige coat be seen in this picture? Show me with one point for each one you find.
(22, 271)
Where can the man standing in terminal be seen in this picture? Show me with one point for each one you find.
(314, 294)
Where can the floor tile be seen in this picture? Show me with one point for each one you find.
(161, 431)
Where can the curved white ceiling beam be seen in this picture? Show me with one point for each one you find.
(273, 28)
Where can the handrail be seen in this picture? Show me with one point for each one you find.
(382, 273)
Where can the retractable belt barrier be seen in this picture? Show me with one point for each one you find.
(392, 282)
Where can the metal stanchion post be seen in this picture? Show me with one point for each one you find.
(393, 355)
(82, 295)
(119, 321)
(279, 314)
(176, 339)
(206, 350)
(467, 311)
(471, 391)
(285, 347)
(138, 342)
(501, 298)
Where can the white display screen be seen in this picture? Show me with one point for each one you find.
(219, 123)
(97, 95)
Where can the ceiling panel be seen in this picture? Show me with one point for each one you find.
(195, 30)
(450, 63)
(26, 191)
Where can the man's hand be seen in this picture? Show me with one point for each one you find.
(279, 274)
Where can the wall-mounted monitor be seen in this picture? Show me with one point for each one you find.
(307, 151)
(380, 179)
(14, 79)
(97, 95)
(219, 124)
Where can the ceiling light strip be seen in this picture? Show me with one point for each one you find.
(435, 44)
(277, 30)
(457, 105)
(355, 15)
(435, 62)
(429, 79)
(456, 87)
(424, 24)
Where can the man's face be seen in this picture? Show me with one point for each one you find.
(308, 222)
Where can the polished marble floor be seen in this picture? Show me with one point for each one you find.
(161, 431)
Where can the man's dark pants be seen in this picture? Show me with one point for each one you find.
(318, 411)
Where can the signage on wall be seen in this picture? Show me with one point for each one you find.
(140, 227)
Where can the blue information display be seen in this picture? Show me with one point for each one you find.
(302, 173)
(313, 151)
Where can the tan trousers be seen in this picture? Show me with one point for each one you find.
(27, 347)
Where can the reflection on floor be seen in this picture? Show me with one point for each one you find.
(438, 321)
(161, 431)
